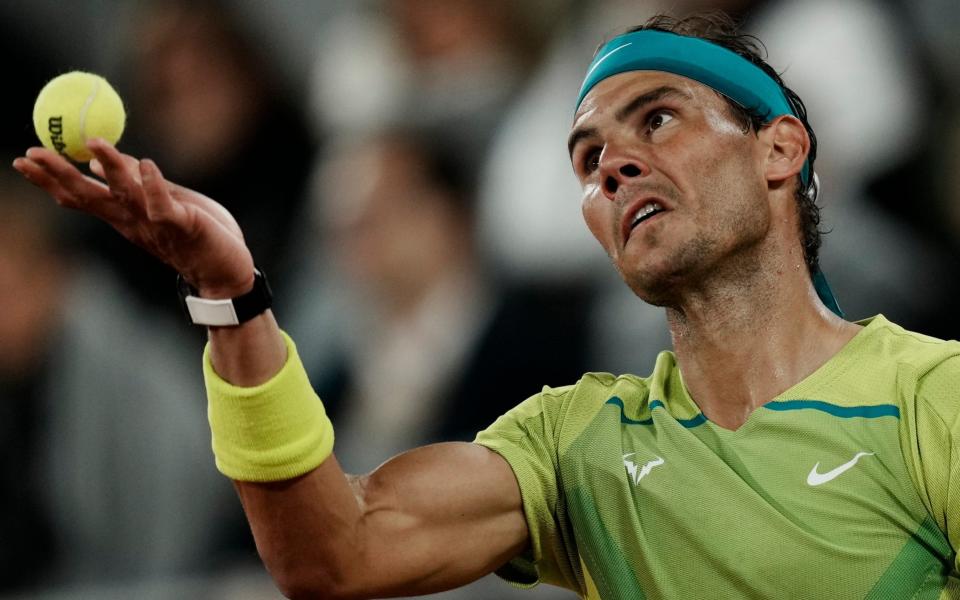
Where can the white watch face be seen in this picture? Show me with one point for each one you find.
(216, 313)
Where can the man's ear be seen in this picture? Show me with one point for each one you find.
(788, 146)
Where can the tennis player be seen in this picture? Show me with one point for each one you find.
(779, 451)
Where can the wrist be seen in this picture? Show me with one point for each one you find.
(250, 354)
(225, 306)
(226, 290)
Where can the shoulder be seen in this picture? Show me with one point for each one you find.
(928, 367)
(896, 337)
(595, 390)
(938, 389)
(551, 405)
(567, 409)
(891, 343)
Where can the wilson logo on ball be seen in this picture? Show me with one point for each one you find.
(55, 127)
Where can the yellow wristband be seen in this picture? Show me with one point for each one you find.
(270, 432)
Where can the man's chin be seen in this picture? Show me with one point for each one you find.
(657, 291)
(660, 278)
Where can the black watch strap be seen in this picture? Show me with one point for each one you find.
(228, 311)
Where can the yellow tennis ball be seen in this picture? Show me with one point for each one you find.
(75, 107)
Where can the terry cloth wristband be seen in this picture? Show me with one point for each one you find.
(273, 431)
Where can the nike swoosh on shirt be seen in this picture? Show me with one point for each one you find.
(815, 478)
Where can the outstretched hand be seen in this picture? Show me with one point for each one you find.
(184, 229)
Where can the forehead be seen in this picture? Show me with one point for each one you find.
(613, 92)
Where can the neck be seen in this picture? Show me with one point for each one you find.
(742, 341)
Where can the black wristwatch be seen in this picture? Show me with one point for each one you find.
(228, 311)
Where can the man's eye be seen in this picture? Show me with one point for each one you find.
(658, 120)
(591, 161)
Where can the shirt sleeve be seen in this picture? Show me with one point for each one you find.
(527, 438)
(938, 442)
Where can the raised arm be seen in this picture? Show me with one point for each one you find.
(430, 519)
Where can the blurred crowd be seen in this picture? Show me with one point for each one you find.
(400, 173)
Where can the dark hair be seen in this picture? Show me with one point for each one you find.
(720, 29)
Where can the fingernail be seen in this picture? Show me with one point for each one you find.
(31, 153)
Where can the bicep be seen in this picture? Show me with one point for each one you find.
(438, 517)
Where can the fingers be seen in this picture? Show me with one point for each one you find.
(165, 201)
(131, 163)
(60, 179)
(122, 175)
(175, 224)
(38, 176)
(160, 206)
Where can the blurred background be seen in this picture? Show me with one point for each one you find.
(399, 170)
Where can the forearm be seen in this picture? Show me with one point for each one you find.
(303, 526)
(306, 531)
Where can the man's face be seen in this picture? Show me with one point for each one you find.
(673, 186)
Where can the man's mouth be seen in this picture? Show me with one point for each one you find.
(646, 212)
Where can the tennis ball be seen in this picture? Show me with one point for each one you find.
(75, 107)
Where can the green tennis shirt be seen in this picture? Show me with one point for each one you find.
(846, 485)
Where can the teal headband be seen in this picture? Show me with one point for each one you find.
(723, 70)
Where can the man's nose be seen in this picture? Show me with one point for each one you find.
(618, 168)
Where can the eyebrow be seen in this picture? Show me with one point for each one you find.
(624, 113)
(577, 135)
